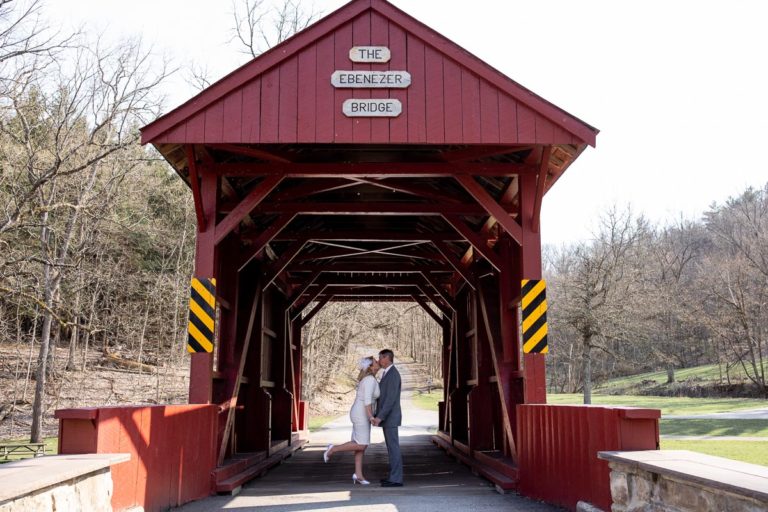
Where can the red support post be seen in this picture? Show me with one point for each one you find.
(535, 378)
(206, 266)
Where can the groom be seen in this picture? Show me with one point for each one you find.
(389, 417)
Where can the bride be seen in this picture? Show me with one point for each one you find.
(360, 414)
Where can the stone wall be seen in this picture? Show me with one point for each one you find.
(92, 492)
(637, 490)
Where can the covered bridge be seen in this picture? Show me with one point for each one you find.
(367, 158)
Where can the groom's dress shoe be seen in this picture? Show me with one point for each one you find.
(387, 483)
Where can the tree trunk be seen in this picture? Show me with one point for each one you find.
(36, 434)
(587, 361)
(670, 374)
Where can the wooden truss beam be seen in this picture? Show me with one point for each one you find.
(266, 236)
(376, 236)
(479, 243)
(194, 182)
(541, 186)
(493, 208)
(428, 309)
(373, 208)
(452, 260)
(246, 206)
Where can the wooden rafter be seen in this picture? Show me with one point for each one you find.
(474, 153)
(261, 154)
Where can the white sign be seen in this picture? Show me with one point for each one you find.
(371, 79)
(372, 108)
(370, 54)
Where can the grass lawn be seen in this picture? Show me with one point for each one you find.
(51, 448)
(317, 422)
(710, 372)
(745, 451)
(741, 428)
(427, 401)
(668, 405)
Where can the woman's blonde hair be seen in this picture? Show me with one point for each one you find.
(368, 370)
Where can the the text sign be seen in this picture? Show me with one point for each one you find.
(371, 79)
(372, 108)
(370, 54)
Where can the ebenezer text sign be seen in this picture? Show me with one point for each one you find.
(371, 79)
(370, 54)
(372, 108)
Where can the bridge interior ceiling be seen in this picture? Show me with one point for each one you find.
(368, 222)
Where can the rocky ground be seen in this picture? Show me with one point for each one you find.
(106, 381)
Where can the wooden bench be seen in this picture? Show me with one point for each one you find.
(35, 449)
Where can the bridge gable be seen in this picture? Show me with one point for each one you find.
(286, 96)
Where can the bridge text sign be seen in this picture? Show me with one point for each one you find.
(371, 79)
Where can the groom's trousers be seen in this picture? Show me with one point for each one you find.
(392, 438)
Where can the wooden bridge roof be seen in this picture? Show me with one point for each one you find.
(409, 197)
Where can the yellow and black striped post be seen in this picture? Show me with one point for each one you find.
(202, 315)
(534, 306)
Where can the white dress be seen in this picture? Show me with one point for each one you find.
(367, 392)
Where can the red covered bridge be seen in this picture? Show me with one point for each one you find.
(367, 158)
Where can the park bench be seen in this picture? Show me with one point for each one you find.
(36, 449)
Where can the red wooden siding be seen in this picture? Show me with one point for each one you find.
(294, 101)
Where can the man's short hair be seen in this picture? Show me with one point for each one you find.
(388, 354)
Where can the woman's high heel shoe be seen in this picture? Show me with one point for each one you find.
(356, 480)
(326, 455)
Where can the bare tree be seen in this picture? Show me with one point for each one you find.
(258, 28)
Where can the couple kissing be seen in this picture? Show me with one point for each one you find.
(377, 403)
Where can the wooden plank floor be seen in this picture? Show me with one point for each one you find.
(433, 482)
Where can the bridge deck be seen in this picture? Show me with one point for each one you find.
(433, 482)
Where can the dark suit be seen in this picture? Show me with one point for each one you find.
(391, 417)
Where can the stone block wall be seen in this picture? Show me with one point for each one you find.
(91, 492)
(637, 490)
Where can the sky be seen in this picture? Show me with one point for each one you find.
(678, 89)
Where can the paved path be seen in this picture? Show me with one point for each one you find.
(434, 482)
(715, 438)
(749, 414)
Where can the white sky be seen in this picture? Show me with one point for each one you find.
(677, 88)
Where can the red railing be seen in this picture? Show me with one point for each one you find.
(558, 444)
(172, 450)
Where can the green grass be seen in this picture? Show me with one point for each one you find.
(718, 427)
(427, 401)
(51, 448)
(317, 422)
(710, 372)
(745, 451)
(668, 405)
